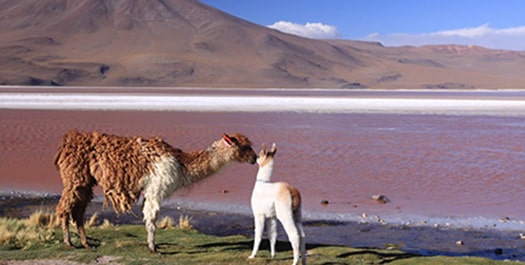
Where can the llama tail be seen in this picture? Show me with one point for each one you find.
(296, 203)
(59, 153)
(65, 144)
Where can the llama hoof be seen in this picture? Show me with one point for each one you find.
(251, 257)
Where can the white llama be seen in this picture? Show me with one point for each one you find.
(280, 201)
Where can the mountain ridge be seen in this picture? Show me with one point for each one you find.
(188, 43)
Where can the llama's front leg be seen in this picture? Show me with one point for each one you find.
(259, 227)
(151, 211)
(272, 235)
(151, 228)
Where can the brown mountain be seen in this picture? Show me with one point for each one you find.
(187, 43)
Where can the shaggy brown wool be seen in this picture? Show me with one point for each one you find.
(114, 162)
(126, 166)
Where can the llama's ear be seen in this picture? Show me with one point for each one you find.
(227, 140)
(263, 150)
(274, 149)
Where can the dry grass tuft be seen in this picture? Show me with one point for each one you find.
(168, 223)
(106, 224)
(92, 220)
(43, 220)
(185, 222)
(165, 223)
(21, 234)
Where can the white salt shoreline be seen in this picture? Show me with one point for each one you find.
(401, 219)
(258, 103)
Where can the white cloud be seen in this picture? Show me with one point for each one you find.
(512, 38)
(476, 32)
(309, 30)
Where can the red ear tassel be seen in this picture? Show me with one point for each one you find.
(227, 140)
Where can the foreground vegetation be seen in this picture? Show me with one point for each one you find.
(39, 237)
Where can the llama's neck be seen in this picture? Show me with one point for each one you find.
(202, 164)
(265, 172)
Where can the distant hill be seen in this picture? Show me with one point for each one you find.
(187, 43)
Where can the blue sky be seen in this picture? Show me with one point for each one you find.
(498, 24)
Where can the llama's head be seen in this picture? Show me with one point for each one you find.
(241, 148)
(265, 156)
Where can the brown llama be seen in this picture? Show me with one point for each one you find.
(126, 166)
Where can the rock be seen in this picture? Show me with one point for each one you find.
(498, 251)
(380, 198)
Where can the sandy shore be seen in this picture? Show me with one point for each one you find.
(423, 240)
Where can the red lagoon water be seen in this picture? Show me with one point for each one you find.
(437, 166)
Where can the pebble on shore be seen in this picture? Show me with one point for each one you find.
(380, 198)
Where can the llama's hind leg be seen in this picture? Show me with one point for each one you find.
(302, 242)
(293, 236)
(65, 231)
(79, 210)
(63, 212)
(63, 216)
(78, 217)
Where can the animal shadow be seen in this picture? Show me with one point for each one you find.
(247, 245)
(167, 248)
(93, 242)
(235, 246)
(385, 257)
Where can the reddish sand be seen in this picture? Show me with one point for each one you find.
(427, 165)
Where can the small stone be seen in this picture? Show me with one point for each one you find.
(380, 198)
(498, 251)
(504, 219)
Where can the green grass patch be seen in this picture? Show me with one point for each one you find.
(25, 239)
